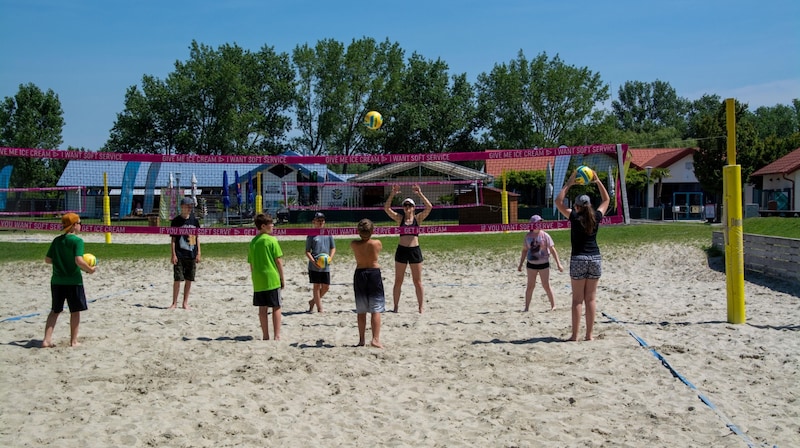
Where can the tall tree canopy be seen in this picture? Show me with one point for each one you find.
(534, 103)
(647, 107)
(224, 101)
(32, 119)
(432, 111)
(712, 142)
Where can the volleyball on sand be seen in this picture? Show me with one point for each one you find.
(90, 259)
(373, 120)
(323, 261)
(583, 175)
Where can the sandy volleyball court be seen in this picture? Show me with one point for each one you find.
(472, 371)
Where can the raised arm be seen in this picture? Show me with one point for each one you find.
(428, 206)
(606, 199)
(387, 206)
(562, 194)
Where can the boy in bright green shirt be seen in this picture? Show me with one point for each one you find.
(266, 271)
(66, 284)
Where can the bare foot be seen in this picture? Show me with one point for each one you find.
(47, 344)
(589, 338)
(173, 306)
(376, 344)
(552, 308)
(420, 310)
(360, 344)
(311, 306)
(186, 306)
(74, 344)
(572, 339)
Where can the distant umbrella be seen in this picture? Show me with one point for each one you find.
(611, 182)
(549, 182)
(251, 191)
(194, 189)
(238, 190)
(226, 198)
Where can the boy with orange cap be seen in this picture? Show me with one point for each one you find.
(66, 256)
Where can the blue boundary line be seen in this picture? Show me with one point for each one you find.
(707, 401)
(113, 294)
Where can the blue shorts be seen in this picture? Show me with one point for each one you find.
(583, 267)
(271, 298)
(73, 294)
(368, 288)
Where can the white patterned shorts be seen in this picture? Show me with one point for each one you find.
(585, 267)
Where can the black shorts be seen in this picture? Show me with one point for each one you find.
(319, 277)
(184, 270)
(405, 254)
(271, 298)
(537, 267)
(73, 294)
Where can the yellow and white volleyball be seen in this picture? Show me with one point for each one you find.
(90, 259)
(373, 120)
(323, 261)
(583, 175)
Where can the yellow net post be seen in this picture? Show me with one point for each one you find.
(733, 229)
(106, 207)
(259, 199)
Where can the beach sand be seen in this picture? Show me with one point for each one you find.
(472, 371)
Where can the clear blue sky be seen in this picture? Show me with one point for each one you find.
(90, 51)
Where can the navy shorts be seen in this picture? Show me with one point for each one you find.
(585, 267)
(184, 270)
(405, 254)
(319, 277)
(271, 298)
(73, 294)
(368, 288)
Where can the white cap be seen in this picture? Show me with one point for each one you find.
(409, 201)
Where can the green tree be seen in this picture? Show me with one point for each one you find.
(32, 119)
(432, 111)
(779, 121)
(223, 101)
(647, 107)
(711, 156)
(535, 103)
(337, 85)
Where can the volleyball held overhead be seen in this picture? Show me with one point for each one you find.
(583, 175)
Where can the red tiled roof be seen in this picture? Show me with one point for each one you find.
(785, 165)
(495, 167)
(658, 157)
(641, 157)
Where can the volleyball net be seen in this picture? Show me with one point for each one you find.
(489, 191)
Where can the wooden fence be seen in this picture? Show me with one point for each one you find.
(769, 255)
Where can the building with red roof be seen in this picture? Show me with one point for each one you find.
(779, 186)
(679, 189)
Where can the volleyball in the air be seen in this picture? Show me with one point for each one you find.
(323, 261)
(90, 259)
(373, 120)
(583, 175)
